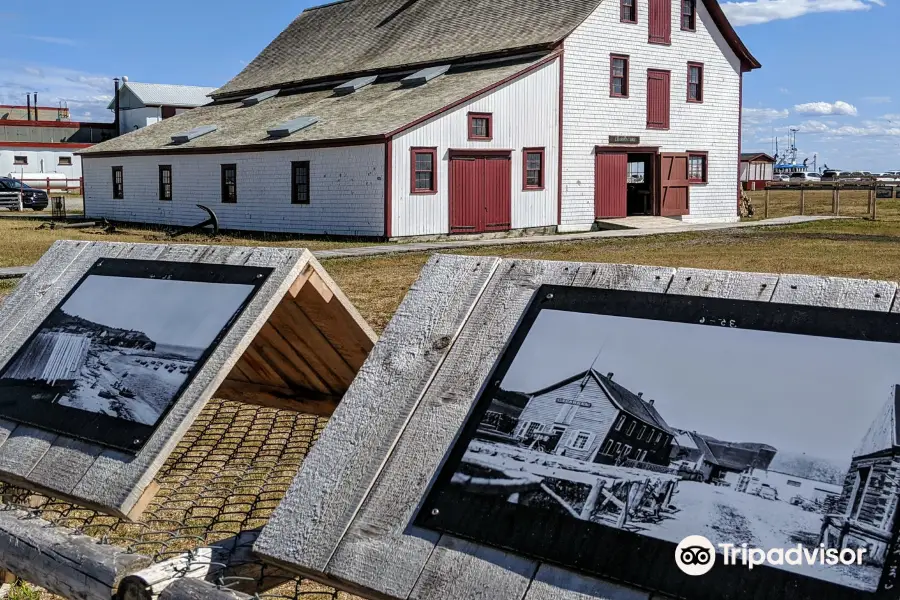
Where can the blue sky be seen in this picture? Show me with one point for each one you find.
(829, 66)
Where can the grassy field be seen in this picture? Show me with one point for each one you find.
(259, 450)
(854, 203)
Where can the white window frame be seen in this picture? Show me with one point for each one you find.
(631, 428)
(621, 422)
(523, 428)
(574, 437)
(642, 432)
(658, 437)
(642, 457)
(607, 449)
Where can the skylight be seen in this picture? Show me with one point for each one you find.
(425, 75)
(292, 126)
(354, 85)
(181, 138)
(260, 97)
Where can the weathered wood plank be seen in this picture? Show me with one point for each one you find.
(811, 290)
(553, 583)
(305, 529)
(56, 559)
(23, 449)
(462, 570)
(117, 480)
(377, 549)
(723, 284)
(64, 463)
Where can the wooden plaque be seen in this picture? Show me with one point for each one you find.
(110, 350)
(364, 513)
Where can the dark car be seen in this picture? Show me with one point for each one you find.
(31, 198)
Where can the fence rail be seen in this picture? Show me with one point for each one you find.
(876, 190)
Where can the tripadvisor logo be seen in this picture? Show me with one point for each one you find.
(696, 555)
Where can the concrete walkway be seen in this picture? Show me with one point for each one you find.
(451, 244)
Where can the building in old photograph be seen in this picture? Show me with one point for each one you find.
(757, 169)
(143, 104)
(591, 417)
(867, 508)
(397, 119)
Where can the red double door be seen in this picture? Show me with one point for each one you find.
(480, 193)
(611, 185)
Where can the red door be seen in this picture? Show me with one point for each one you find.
(674, 186)
(480, 193)
(611, 185)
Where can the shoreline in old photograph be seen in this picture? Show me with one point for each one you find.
(677, 438)
(123, 347)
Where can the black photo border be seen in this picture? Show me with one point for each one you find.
(623, 556)
(104, 430)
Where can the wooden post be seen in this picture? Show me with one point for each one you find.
(592, 498)
(802, 198)
(623, 516)
(870, 198)
(875, 205)
(837, 200)
(766, 204)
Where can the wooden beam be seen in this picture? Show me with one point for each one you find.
(306, 401)
(54, 558)
(230, 561)
(195, 589)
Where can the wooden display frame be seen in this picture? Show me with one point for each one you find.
(348, 517)
(297, 345)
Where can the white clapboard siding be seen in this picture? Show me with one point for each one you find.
(346, 190)
(591, 116)
(525, 114)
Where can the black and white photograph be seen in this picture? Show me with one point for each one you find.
(669, 429)
(123, 346)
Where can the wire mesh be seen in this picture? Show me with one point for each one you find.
(224, 478)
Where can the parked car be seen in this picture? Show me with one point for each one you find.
(781, 177)
(804, 177)
(831, 175)
(31, 198)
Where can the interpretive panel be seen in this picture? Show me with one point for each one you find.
(617, 424)
(110, 360)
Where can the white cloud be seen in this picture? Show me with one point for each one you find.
(763, 11)
(891, 118)
(877, 99)
(826, 108)
(760, 116)
(84, 93)
(784, 90)
(864, 129)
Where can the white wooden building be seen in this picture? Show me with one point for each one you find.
(143, 104)
(396, 119)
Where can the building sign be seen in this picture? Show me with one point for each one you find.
(884, 191)
(574, 402)
(624, 139)
(607, 501)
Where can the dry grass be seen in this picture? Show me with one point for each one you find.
(23, 241)
(854, 203)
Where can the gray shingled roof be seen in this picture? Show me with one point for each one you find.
(633, 404)
(360, 36)
(162, 94)
(375, 110)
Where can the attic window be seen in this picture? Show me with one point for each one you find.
(260, 97)
(354, 85)
(425, 75)
(181, 138)
(292, 126)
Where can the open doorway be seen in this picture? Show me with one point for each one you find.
(640, 184)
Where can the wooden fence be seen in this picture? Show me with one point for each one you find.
(875, 189)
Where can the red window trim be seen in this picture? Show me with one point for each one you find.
(693, 15)
(412, 171)
(612, 59)
(525, 153)
(705, 156)
(701, 90)
(622, 18)
(490, 125)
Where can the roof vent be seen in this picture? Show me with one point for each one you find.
(640, 394)
(610, 376)
(181, 138)
(294, 125)
(651, 401)
(425, 75)
(260, 97)
(354, 85)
